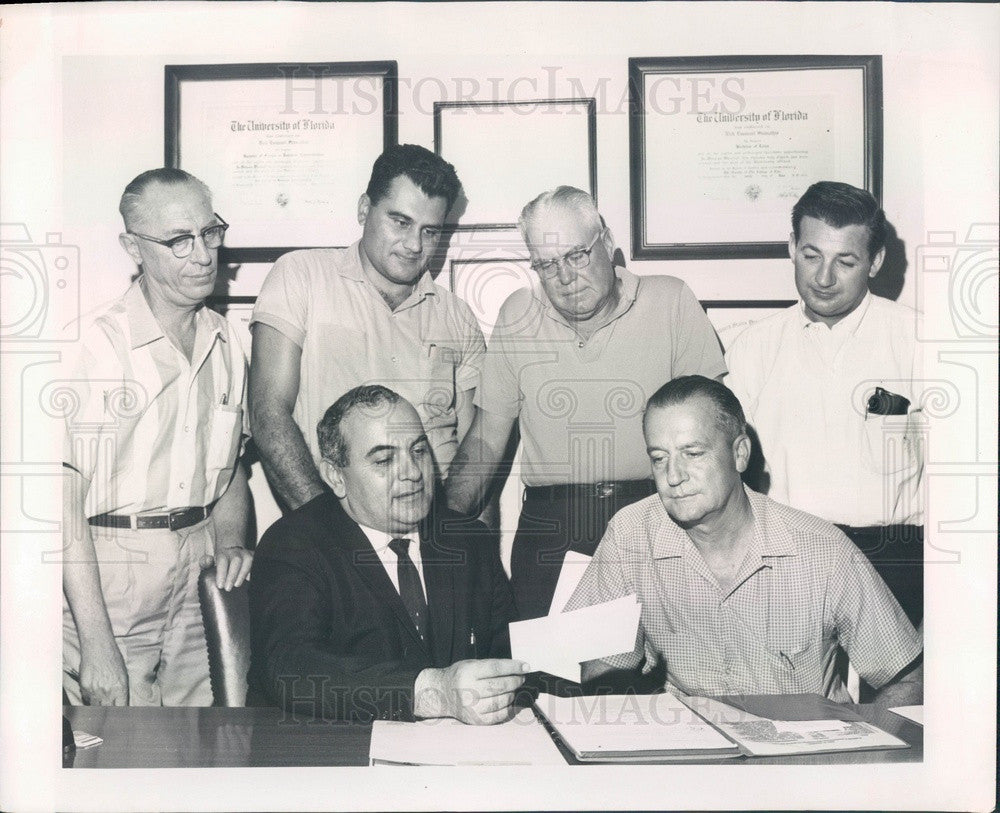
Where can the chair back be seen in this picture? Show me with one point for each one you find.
(226, 617)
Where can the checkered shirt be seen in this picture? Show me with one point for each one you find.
(803, 589)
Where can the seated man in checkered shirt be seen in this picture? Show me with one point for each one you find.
(740, 594)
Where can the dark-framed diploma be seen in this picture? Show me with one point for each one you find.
(286, 148)
(723, 146)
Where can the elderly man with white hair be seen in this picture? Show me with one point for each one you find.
(574, 359)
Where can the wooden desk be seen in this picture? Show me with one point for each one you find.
(267, 737)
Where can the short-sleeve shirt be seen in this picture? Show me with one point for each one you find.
(429, 349)
(802, 589)
(580, 401)
(805, 387)
(151, 430)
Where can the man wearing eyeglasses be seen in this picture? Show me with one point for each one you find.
(153, 488)
(574, 360)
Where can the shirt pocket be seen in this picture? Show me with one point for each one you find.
(795, 665)
(224, 439)
(886, 447)
(437, 379)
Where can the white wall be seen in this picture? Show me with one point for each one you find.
(112, 106)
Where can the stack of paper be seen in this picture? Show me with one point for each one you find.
(557, 644)
(632, 728)
(520, 741)
(760, 737)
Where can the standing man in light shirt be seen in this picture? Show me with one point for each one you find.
(153, 487)
(327, 320)
(832, 388)
(573, 360)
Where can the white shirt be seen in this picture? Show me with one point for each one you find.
(380, 542)
(805, 387)
(151, 430)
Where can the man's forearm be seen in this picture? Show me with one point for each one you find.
(287, 461)
(231, 515)
(476, 462)
(467, 483)
(906, 690)
(81, 578)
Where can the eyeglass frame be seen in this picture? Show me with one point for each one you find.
(173, 241)
(557, 262)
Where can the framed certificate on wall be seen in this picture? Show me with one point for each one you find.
(495, 148)
(286, 148)
(722, 147)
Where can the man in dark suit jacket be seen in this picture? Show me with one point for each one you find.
(352, 621)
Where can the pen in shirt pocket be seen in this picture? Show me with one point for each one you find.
(224, 399)
(473, 647)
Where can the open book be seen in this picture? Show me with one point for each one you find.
(632, 728)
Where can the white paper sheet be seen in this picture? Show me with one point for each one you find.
(520, 741)
(914, 713)
(573, 568)
(622, 724)
(559, 643)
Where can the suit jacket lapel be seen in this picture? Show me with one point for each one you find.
(348, 536)
(439, 577)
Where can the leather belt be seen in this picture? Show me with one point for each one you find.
(171, 520)
(623, 489)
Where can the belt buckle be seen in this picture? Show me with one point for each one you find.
(604, 491)
(178, 518)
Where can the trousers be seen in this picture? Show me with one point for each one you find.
(546, 529)
(150, 584)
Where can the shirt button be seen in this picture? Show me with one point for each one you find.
(581, 345)
(394, 359)
(187, 428)
(181, 486)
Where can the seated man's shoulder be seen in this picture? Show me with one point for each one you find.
(455, 530)
(815, 533)
(633, 523)
(300, 530)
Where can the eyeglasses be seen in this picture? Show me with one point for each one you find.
(576, 259)
(183, 244)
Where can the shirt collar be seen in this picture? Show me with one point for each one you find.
(848, 324)
(355, 270)
(143, 325)
(771, 537)
(380, 540)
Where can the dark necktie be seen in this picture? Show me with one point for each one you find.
(409, 585)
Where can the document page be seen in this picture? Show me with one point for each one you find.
(557, 644)
(615, 725)
(759, 736)
(522, 740)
